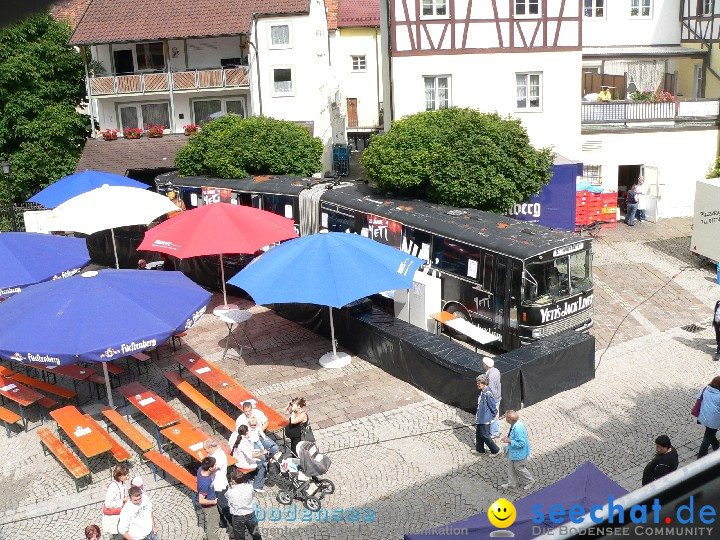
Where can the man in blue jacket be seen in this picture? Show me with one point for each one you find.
(486, 413)
(518, 450)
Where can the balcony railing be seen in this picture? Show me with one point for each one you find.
(143, 83)
(633, 112)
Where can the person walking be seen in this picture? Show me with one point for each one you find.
(632, 204)
(137, 521)
(493, 374)
(207, 498)
(709, 416)
(240, 497)
(518, 451)
(486, 412)
(716, 326)
(116, 495)
(664, 462)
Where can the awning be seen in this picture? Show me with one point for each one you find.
(650, 52)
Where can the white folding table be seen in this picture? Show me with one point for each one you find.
(231, 318)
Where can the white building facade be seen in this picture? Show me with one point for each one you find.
(142, 74)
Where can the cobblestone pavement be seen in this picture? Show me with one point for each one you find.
(401, 460)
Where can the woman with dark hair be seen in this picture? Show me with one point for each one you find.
(92, 532)
(248, 457)
(297, 421)
(710, 416)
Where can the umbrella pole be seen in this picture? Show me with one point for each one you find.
(117, 264)
(332, 334)
(108, 388)
(333, 359)
(225, 306)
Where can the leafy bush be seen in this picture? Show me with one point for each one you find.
(459, 157)
(235, 147)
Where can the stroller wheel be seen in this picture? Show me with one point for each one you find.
(326, 486)
(284, 497)
(313, 504)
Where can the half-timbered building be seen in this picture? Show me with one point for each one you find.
(517, 57)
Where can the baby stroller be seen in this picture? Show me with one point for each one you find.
(303, 474)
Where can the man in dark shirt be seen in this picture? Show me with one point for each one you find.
(664, 462)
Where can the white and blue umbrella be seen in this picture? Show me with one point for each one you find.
(329, 269)
(98, 316)
(29, 258)
(73, 185)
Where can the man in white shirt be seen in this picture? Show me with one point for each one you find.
(136, 517)
(248, 411)
(241, 500)
(220, 482)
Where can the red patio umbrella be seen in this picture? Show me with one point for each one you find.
(215, 229)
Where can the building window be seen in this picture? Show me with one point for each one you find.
(529, 92)
(150, 56)
(282, 81)
(437, 93)
(208, 109)
(431, 8)
(144, 115)
(527, 7)
(593, 174)
(594, 9)
(359, 63)
(707, 6)
(640, 8)
(279, 36)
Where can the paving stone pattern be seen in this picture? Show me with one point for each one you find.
(403, 461)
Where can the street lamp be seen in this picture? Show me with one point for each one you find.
(6, 171)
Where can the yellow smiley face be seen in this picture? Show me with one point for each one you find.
(502, 513)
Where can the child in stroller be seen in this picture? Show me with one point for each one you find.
(303, 473)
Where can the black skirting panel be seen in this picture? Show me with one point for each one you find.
(444, 369)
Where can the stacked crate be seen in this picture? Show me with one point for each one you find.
(591, 207)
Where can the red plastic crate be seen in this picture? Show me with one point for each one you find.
(609, 225)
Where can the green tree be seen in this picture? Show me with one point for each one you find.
(459, 157)
(42, 83)
(235, 147)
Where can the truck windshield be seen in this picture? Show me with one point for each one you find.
(549, 281)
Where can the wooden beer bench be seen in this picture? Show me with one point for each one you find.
(73, 465)
(45, 386)
(8, 417)
(116, 449)
(127, 429)
(201, 402)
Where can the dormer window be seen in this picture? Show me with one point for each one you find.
(524, 8)
(434, 8)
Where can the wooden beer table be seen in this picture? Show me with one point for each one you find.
(151, 405)
(190, 439)
(82, 432)
(20, 394)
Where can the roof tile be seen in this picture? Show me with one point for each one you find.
(123, 154)
(69, 10)
(115, 21)
(358, 13)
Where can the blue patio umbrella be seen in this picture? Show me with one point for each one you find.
(28, 258)
(98, 316)
(330, 269)
(75, 184)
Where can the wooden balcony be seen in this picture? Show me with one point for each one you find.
(148, 83)
(643, 112)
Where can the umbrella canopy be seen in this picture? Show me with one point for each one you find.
(330, 269)
(218, 228)
(586, 487)
(214, 229)
(27, 258)
(108, 207)
(70, 186)
(98, 316)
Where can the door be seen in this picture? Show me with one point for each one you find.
(124, 64)
(352, 116)
(502, 301)
(652, 179)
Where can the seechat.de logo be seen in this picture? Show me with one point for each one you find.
(642, 519)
